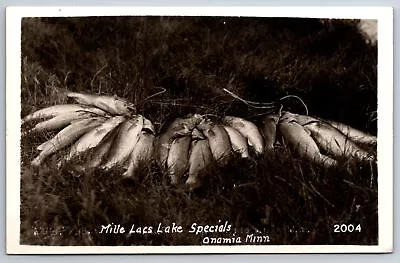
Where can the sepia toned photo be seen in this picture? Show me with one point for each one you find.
(139, 131)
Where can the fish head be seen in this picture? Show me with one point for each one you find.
(234, 121)
(182, 130)
(184, 126)
(271, 117)
(287, 117)
(197, 118)
(191, 121)
(124, 106)
(204, 126)
(179, 127)
(197, 134)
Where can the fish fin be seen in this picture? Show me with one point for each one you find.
(338, 145)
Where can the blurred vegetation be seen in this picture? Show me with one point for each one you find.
(330, 67)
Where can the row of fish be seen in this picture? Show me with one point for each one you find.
(192, 143)
(107, 128)
(310, 136)
(110, 141)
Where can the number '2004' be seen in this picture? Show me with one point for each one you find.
(343, 228)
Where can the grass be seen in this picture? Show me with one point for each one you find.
(279, 194)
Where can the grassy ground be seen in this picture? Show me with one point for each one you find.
(291, 200)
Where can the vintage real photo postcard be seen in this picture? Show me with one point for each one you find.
(199, 130)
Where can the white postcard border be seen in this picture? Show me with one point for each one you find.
(385, 123)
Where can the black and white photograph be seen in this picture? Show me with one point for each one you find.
(216, 131)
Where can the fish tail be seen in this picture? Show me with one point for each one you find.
(37, 161)
(244, 154)
(60, 163)
(129, 172)
(193, 182)
(79, 98)
(109, 165)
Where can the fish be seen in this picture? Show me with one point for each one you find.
(218, 140)
(334, 142)
(200, 158)
(102, 150)
(354, 134)
(178, 158)
(45, 144)
(249, 130)
(300, 141)
(238, 141)
(269, 130)
(65, 137)
(128, 136)
(177, 128)
(60, 109)
(94, 137)
(142, 153)
(111, 104)
(59, 121)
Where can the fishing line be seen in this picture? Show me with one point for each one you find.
(181, 104)
(251, 103)
(294, 96)
(151, 96)
(156, 94)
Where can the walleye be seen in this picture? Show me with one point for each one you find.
(45, 144)
(178, 158)
(334, 142)
(218, 140)
(94, 137)
(238, 142)
(60, 109)
(354, 134)
(66, 136)
(269, 130)
(200, 158)
(142, 153)
(59, 121)
(248, 130)
(179, 127)
(125, 142)
(301, 142)
(113, 105)
(300, 119)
